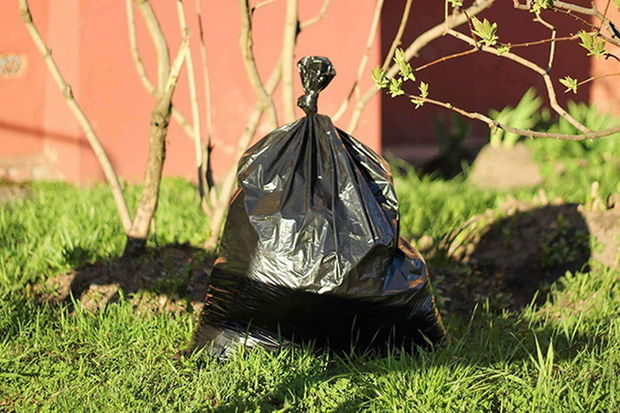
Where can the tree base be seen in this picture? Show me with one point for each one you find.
(134, 247)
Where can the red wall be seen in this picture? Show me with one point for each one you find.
(90, 43)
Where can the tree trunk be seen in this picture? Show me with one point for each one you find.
(136, 237)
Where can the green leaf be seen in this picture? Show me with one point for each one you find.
(379, 77)
(423, 87)
(539, 5)
(505, 48)
(396, 87)
(399, 56)
(406, 72)
(570, 83)
(592, 43)
(486, 31)
(459, 3)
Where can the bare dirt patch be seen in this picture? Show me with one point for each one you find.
(169, 279)
(513, 254)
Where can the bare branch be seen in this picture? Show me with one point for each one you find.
(135, 54)
(159, 40)
(148, 85)
(446, 58)
(261, 4)
(399, 34)
(77, 111)
(246, 44)
(288, 60)
(318, 17)
(604, 16)
(537, 42)
(191, 81)
(590, 79)
(522, 132)
(372, 32)
(553, 36)
(206, 173)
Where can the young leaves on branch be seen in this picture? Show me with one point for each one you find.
(505, 48)
(380, 78)
(423, 87)
(396, 87)
(403, 66)
(485, 30)
(539, 5)
(592, 43)
(570, 83)
(459, 3)
(394, 84)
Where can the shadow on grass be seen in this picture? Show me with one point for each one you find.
(176, 274)
(511, 261)
(507, 263)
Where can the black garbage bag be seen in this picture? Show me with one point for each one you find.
(311, 251)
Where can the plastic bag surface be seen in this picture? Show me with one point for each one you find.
(310, 250)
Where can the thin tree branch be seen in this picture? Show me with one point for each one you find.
(590, 79)
(553, 36)
(206, 174)
(558, 5)
(604, 18)
(77, 111)
(159, 40)
(148, 85)
(522, 132)
(399, 34)
(578, 18)
(445, 58)
(320, 16)
(261, 4)
(288, 56)
(249, 61)
(191, 81)
(532, 66)
(413, 49)
(135, 54)
(205, 71)
(372, 32)
(538, 42)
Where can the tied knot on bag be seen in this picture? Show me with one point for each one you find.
(316, 72)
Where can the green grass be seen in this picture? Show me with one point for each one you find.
(61, 227)
(560, 356)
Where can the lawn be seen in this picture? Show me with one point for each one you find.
(559, 353)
